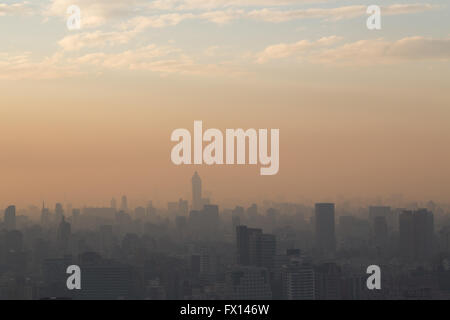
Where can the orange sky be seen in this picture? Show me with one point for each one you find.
(86, 142)
(87, 114)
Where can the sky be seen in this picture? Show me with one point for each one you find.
(87, 114)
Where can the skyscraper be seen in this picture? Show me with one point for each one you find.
(381, 211)
(10, 218)
(298, 281)
(196, 192)
(63, 236)
(124, 203)
(248, 283)
(59, 212)
(416, 231)
(325, 230)
(255, 248)
(45, 216)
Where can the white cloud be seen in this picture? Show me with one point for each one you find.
(220, 4)
(22, 66)
(380, 51)
(346, 12)
(21, 8)
(98, 12)
(285, 50)
(363, 52)
(79, 41)
(153, 58)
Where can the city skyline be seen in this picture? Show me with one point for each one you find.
(286, 251)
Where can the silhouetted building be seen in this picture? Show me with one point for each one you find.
(416, 231)
(248, 283)
(255, 248)
(59, 212)
(298, 281)
(325, 228)
(63, 237)
(196, 192)
(113, 203)
(328, 281)
(381, 211)
(45, 216)
(380, 231)
(10, 218)
(124, 203)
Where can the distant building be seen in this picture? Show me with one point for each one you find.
(255, 248)
(183, 207)
(196, 192)
(140, 213)
(45, 216)
(63, 236)
(298, 281)
(380, 231)
(113, 203)
(416, 233)
(124, 203)
(325, 228)
(59, 212)
(10, 218)
(328, 278)
(381, 211)
(248, 283)
(105, 279)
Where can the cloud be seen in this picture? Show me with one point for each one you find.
(339, 13)
(98, 12)
(21, 66)
(152, 58)
(285, 50)
(221, 4)
(380, 51)
(363, 52)
(22, 8)
(140, 23)
(94, 39)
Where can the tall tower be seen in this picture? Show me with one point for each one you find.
(196, 192)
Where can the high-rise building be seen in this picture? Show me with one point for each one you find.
(298, 281)
(10, 218)
(381, 211)
(255, 248)
(45, 216)
(248, 283)
(380, 231)
(63, 236)
(328, 278)
(124, 203)
(59, 212)
(113, 203)
(416, 232)
(325, 228)
(183, 207)
(196, 192)
(211, 216)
